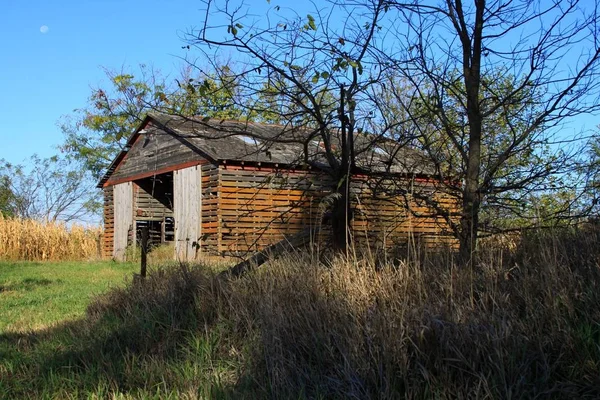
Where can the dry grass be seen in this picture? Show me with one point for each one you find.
(525, 323)
(29, 240)
(164, 255)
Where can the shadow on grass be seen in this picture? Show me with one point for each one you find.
(28, 284)
(150, 338)
(296, 329)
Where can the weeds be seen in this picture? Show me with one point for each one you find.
(525, 323)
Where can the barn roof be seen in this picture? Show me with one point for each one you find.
(249, 142)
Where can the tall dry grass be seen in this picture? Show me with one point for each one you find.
(30, 240)
(523, 324)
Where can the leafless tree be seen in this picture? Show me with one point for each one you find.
(50, 190)
(496, 83)
(305, 73)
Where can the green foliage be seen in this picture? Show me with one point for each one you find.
(523, 177)
(96, 133)
(593, 173)
(311, 25)
(7, 197)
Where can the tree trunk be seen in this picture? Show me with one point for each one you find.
(469, 223)
(340, 217)
(340, 214)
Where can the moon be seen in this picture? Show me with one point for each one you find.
(44, 29)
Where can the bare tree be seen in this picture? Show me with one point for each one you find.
(301, 72)
(50, 190)
(497, 82)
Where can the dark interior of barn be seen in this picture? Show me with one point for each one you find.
(153, 208)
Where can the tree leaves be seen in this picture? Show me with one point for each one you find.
(318, 75)
(311, 23)
(96, 133)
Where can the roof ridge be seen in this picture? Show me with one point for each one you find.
(200, 118)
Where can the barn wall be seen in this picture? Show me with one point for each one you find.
(257, 207)
(210, 225)
(123, 218)
(260, 207)
(392, 214)
(109, 223)
(187, 193)
(155, 151)
(231, 209)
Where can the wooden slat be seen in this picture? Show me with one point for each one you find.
(253, 209)
(109, 217)
(188, 210)
(123, 218)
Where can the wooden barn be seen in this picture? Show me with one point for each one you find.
(225, 187)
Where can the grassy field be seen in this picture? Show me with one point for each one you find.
(35, 295)
(524, 323)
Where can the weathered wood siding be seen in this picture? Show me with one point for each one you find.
(150, 206)
(210, 222)
(187, 193)
(155, 151)
(386, 218)
(123, 218)
(235, 209)
(109, 223)
(256, 207)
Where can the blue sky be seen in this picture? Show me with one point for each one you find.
(46, 75)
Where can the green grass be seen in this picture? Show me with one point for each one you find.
(525, 323)
(35, 295)
(136, 340)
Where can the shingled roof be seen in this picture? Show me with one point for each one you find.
(240, 141)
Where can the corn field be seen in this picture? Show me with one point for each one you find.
(30, 240)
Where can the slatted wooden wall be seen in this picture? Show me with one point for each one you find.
(234, 209)
(149, 206)
(256, 207)
(123, 218)
(210, 228)
(109, 223)
(153, 208)
(251, 208)
(395, 216)
(187, 203)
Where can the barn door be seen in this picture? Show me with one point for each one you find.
(123, 213)
(187, 205)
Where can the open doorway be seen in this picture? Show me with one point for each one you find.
(153, 208)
